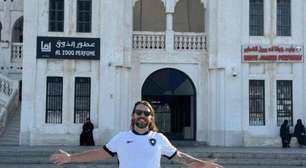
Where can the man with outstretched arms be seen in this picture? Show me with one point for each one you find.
(141, 147)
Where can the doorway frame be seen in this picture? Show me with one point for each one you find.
(194, 101)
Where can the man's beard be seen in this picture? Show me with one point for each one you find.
(140, 124)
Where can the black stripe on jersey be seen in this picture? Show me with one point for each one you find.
(136, 133)
(170, 157)
(108, 151)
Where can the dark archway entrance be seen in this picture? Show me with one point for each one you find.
(173, 95)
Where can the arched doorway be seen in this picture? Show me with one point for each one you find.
(173, 96)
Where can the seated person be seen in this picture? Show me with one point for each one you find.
(300, 132)
(285, 134)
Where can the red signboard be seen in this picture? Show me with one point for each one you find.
(272, 53)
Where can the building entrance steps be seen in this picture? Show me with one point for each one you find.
(12, 130)
(229, 157)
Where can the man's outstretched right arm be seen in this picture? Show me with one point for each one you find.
(87, 156)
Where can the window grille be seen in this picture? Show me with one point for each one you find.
(56, 15)
(283, 17)
(284, 101)
(256, 18)
(0, 30)
(82, 99)
(54, 100)
(256, 102)
(84, 10)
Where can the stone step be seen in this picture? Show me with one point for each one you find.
(229, 161)
(13, 127)
(56, 166)
(10, 134)
(12, 130)
(37, 156)
(9, 141)
(115, 166)
(95, 165)
(202, 151)
(14, 120)
(248, 166)
(9, 138)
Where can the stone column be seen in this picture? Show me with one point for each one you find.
(169, 21)
(169, 32)
(6, 35)
(170, 8)
(29, 72)
(273, 9)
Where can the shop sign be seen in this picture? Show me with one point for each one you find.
(272, 53)
(68, 48)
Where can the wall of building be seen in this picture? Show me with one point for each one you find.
(269, 133)
(117, 78)
(33, 126)
(109, 84)
(231, 32)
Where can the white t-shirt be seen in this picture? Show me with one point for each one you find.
(140, 150)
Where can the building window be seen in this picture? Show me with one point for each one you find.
(256, 102)
(0, 30)
(56, 15)
(17, 34)
(256, 20)
(284, 101)
(283, 17)
(149, 15)
(84, 16)
(54, 101)
(81, 99)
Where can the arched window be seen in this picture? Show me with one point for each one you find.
(189, 16)
(17, 35)
(0, 31)
(149, 15)
(17, 38)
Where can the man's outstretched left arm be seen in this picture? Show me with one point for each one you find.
(194, 162)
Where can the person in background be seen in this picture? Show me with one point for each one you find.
(142, 141)
(86, 137)
(300, 132)
(285, 134)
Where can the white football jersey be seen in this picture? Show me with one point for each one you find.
(140, 150)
